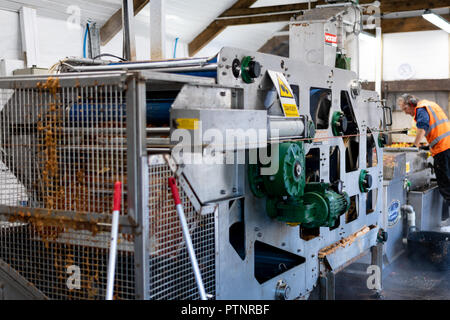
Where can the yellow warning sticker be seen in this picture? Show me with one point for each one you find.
(285, 92)
(408, 167)
(187, 124)
(290, 110)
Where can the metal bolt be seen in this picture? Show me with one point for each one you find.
(222, 192)
(282, 290)
(259, 234)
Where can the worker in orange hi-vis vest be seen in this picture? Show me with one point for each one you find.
(433, 124)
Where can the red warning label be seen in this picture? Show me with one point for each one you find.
(330, 38)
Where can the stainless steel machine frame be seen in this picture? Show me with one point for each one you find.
(161, 269)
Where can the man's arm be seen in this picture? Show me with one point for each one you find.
(419, 136)
(423, 124)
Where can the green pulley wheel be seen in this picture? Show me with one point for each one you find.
(365, 181)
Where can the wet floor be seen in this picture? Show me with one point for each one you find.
(402, 280)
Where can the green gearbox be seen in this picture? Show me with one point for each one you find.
(289, 198)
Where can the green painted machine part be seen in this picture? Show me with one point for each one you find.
(319, 207)
(250, 69)
(338, 123)
(256, 181)
(382, 140)
(311, 131)
(290, 199)
(365, 181)
(343, 62)
(290, 178)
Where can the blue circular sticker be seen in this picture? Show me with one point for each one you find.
(394, 213)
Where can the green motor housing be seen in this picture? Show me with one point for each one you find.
(319, 207)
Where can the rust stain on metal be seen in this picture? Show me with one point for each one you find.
(343, 242)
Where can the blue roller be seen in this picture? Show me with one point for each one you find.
(158, 112)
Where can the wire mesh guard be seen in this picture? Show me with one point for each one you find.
(62, 149)
(171, 275)
(67, 264)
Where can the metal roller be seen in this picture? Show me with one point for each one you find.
(286, 128)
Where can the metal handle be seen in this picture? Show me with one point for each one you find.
(113, 244)
(187, 238)
(390, 115)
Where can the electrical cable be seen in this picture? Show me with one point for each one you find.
(108, 55)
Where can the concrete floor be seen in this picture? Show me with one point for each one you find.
(402, 280)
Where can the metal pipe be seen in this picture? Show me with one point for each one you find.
(280, 127)
(129, 40)
(87, 61)
(411, 214)
(209, 67)
(147, 65)
(379, 62)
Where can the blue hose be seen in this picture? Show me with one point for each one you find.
(175, 48)
(85, 38)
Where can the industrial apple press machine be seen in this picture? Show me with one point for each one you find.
(278, 162)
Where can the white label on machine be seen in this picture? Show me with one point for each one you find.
(287, 99)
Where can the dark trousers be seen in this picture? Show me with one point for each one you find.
(442, 170)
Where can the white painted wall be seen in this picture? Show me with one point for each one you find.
(412, 55)
(10, 39)
(143, 47)
(367, 58)
(57, 41)
(416, 55)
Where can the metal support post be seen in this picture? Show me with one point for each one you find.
(377, 260)
(327, 282)
(138, 182)
(129, 40)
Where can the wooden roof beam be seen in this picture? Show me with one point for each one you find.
(241, 14)
(214, 28)
(408, 24)
(387, 6)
